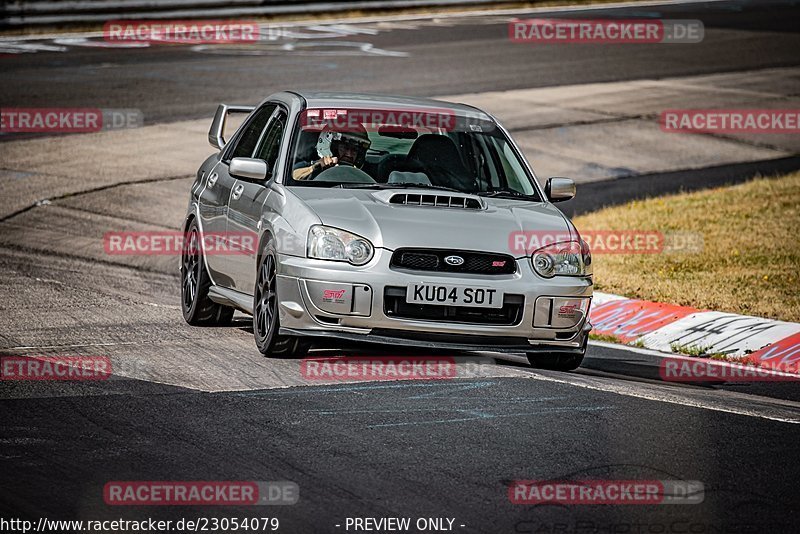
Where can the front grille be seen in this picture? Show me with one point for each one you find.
(395, 305)
(422, 259)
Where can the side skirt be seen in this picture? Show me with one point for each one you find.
(232, 298)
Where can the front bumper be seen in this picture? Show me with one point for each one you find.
(362, 317)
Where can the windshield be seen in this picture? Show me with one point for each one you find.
(357, 148)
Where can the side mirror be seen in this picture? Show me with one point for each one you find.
(559, 189)
(249, 169)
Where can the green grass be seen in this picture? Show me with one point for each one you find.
(604, 337)
(749, 262)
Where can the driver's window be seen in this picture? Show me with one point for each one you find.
(271, 142)
(246, 142)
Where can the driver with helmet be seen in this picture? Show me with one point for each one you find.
(335, 148)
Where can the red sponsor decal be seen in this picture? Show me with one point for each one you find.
(165, 243)
(354, 120)
(176, 493)
(684, 369)
(378, 368)
(61, 120)
(333, 294)
(568, 310)
(781, 356)
(182, 31)
(585, 31)
(771, 121)
(630, 319)
(55, 368)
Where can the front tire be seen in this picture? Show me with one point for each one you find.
(266, 323)
(198, 309)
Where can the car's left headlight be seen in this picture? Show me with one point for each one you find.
(568, 258)
(326, 243)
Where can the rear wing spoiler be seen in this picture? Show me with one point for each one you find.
(217, 130)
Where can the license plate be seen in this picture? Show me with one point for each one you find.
(450, 295)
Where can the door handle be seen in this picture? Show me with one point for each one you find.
(237, 191)
(212, 179)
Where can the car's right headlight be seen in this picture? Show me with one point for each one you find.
(568, 258)
(327, 243)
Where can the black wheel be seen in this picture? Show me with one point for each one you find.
(555, 362)
(266, 323)
(198, 309)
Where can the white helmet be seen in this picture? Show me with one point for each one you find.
(330, 143)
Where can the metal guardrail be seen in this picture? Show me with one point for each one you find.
(20, 13)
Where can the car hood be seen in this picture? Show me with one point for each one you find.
(368, 213)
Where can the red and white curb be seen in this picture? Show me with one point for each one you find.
(665, 327)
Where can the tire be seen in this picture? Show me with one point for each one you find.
(198, 309)
(555, 362)
(266, 323)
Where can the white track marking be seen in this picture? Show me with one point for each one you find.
(715, 400)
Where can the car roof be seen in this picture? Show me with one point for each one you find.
(322, 99)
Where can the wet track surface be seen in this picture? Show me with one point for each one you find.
(202, 404)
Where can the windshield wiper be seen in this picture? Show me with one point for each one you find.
(356, 185)
(403, 185)
(508, 193)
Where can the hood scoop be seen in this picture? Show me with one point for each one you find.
(435, 200)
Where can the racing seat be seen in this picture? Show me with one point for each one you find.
(395, 163)
(438, 156)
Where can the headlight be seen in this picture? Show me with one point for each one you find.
(569, 258)
(326, 243)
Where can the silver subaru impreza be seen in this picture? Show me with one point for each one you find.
(382, 219)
